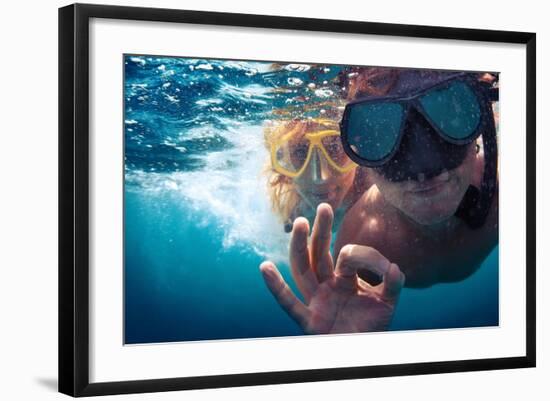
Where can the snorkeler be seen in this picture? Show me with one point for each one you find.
(431, 215)
(308, 166)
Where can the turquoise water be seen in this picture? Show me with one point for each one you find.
(182, 283)
(470, 303)
(197, 218)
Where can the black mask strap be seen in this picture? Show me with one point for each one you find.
(474, 207)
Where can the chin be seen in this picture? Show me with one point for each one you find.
(431, 218)
(434, 207)
(432, 213)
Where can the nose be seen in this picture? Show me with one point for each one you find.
(423, 147)
(319, 168)
(423, 153)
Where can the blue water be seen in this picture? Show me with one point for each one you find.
(182, 283)
(197, 218)
(470, 303)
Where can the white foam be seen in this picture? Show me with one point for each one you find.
(230, 192)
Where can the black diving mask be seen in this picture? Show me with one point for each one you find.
(372, 129)
(423, 128)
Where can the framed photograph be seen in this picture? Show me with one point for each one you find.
(252, 199)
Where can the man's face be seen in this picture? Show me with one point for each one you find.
(429, 201)
(428, 175)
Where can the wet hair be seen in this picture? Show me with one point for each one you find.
(356, 82)
(411, 158)
(282, 191)
(280, 188)
(364, 82)
(286, 202)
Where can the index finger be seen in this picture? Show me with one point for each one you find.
(360, 257)
(299, 259)
(353, 258)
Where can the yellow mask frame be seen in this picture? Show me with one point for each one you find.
(315, 141)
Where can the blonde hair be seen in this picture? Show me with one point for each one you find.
(282, 191)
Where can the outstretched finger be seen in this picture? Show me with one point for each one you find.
(321, 259)
(353, 258)
(300, 263)
(283, 294)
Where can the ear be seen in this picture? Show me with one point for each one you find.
(490, 83)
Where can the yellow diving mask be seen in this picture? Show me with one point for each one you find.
(292, 152)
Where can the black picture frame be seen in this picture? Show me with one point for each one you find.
(74, 194)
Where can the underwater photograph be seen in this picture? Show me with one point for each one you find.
(270, 199)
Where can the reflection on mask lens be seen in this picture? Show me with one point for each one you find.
(374, 129)
(454, 109)
(292, 155)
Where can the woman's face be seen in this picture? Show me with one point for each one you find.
(430, 201)
(320, 182)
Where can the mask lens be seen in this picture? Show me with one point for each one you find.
(335, 150)
(291, 155)
(373, 129)
(454, 110)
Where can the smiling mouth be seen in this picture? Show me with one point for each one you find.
(428, 189)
